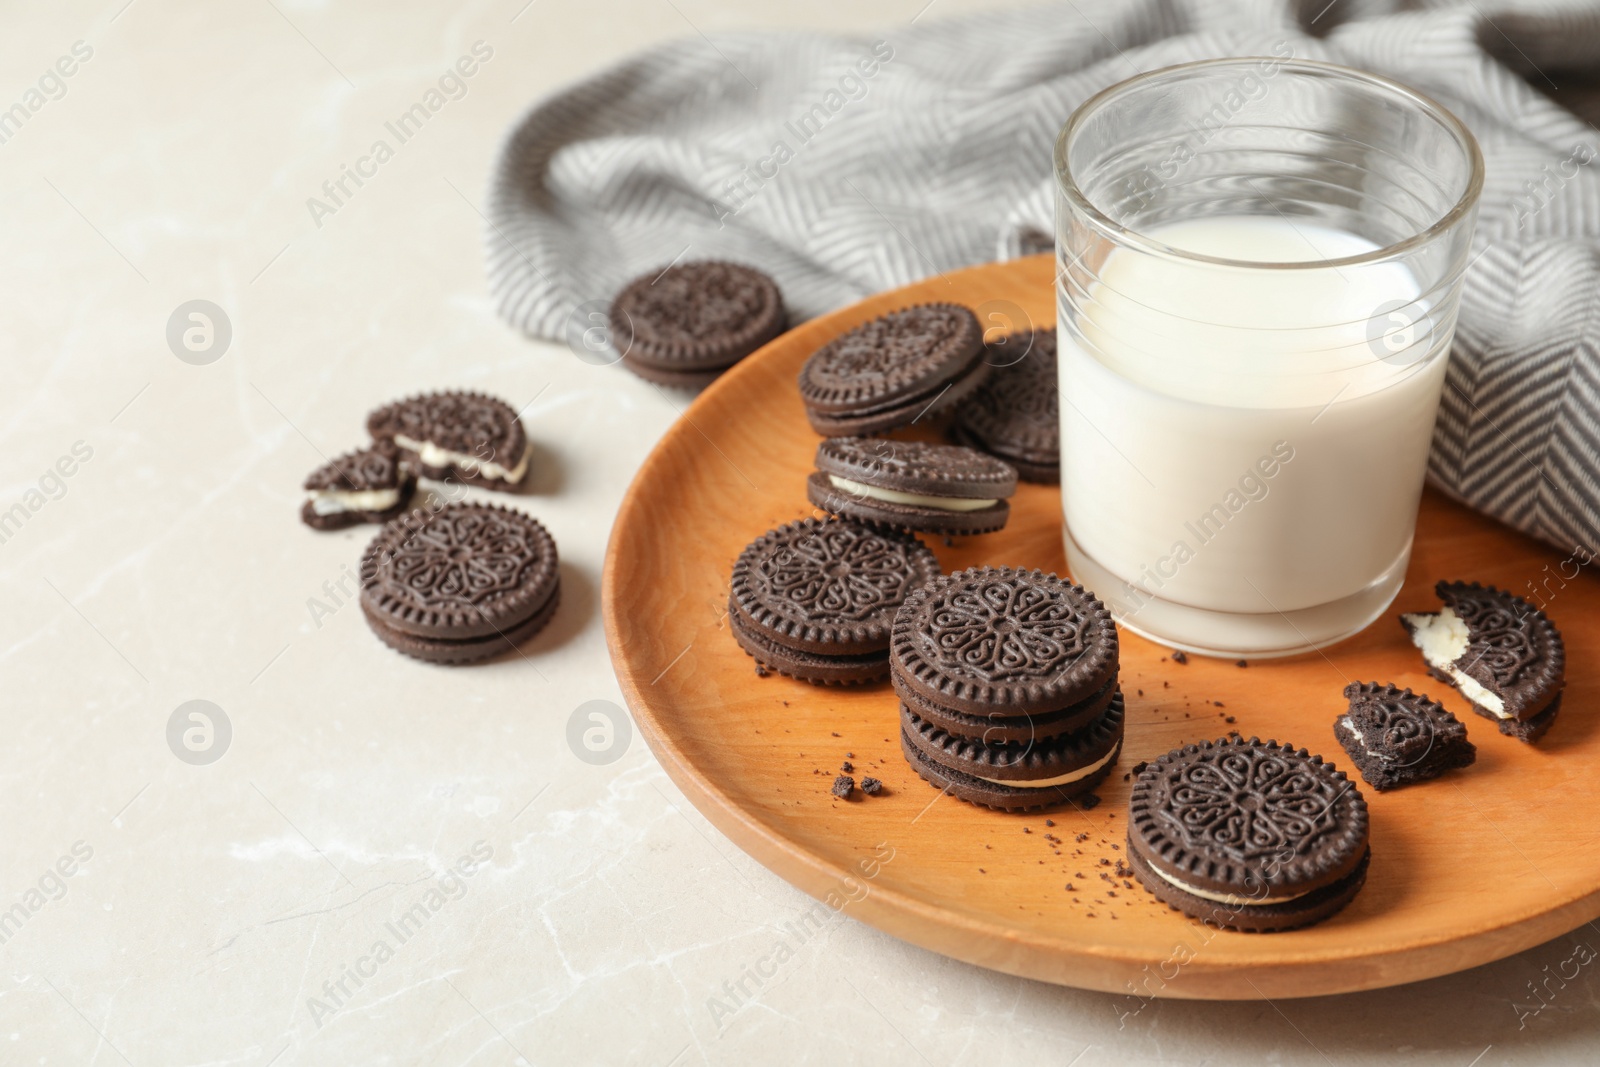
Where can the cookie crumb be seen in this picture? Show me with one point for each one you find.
(1180, 657)
(847, 766)
(1138, 768)
(843, 786)
(1229, 719)
(1242, 663)
(871, 786)
(1049, 822)
(1089, 801)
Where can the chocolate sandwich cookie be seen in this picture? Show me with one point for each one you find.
(1396, 737)
(1502, 654)
(371, 485)
(1001, 726)
(1014, 777)
(1248, 835)
(1016, 413)
(460, 584)
(1000, 641)
(912, 486)
(467, 437)
(892, 370)
(816, 599)
(687, 324)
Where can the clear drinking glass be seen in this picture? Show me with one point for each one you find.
(1259, 269)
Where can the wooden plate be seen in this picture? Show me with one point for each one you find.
(1466, 869)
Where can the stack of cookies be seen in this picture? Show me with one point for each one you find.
(1008, 687)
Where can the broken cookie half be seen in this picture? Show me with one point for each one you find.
(1502, 653)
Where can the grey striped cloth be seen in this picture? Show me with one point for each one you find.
(848, 165)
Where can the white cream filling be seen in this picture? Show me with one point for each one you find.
(1060, 779)
(1443, 639)
(434, 456)
(1223, 898)
(336, 501)
(916, 500)
(1346, 724)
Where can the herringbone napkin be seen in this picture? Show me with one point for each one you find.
(848, 165)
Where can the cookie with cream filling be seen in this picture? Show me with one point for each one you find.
(1499, 651)
(912, 485)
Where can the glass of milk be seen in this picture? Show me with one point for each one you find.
(1259, 264)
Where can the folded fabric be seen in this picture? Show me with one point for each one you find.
(845, 165)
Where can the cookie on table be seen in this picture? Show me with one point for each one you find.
(1396, 737)
(1016, 414)
(370, 485)
(893, 370)
(815, 599)
(461, 584)
(1248, 835)
(1025, 776)
(1502, 653)
(1008, 686)
(457, 436)
(912, 486)
(685, 325)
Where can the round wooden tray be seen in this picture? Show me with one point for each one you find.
(1466, 869)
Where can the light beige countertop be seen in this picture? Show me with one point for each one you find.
(294, 901)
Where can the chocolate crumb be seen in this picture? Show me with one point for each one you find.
(761, 672)
(1139, 691)
(1138, 768)
(1180, 657)
(847, 766)
(1089, 801)
(849, 755)
(1104, 862)
(1049, 822)
(1026, 830)
(1072, 887)
(1229, 719)
(1081, 837)
(1242, 663)
(871, 786)
(843, 785)
(834, 732)
(982, 871)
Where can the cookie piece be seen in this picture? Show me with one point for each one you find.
(370, 485)
(460, 436)
(1502, 653)
(1014, 777)
(1002, 640)
(1016, 413)
(892, 370)
(1396, 737)
(1248, 835)
(912, 486)
(685, 325)
(816, 599)
(460, 584)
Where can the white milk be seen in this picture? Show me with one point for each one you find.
(1232, 480)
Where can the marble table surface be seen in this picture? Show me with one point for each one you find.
(368, 860)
